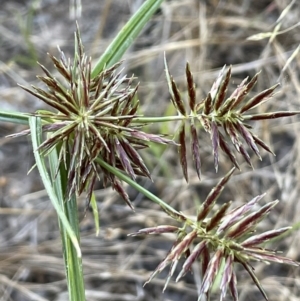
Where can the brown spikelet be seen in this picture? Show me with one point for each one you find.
(233, 287)
(258, 99)
(217, 217)
(245, 155)
(213, 196)
(247, 137)
(262, 144)
(233, 216)
(225, 148)
(222, 90)
(211, 272)
(242, 90)
(174, 92)
(208, 104)
(121, 191)
(182, 151)
(244, 225)
(258, 239)
(191, 259)
(156, 230)
(227, 275)
(273, 115)
(195, 150)
(191, 87)
(215, 143)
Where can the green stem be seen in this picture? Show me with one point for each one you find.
(143, 119)
(138, 187)
(22, 118)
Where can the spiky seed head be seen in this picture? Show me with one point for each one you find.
(221, 237)
(92, 118)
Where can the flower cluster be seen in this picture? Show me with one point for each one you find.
(220, 237)
(223, 117)
(93, 118)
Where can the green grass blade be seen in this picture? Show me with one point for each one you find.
(95, 213)
(36, 137)
(126, 35)
(73, 264)
(14, 117)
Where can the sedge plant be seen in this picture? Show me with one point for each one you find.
(95, 131)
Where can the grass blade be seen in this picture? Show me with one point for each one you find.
(126, 36)
(36, 137)
(13, 117)
(73, 263)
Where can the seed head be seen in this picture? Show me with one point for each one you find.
(92, 118)
(223, 117)
(221, 236)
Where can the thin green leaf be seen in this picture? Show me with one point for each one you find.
(36, 133)
(126, 36)
(13, 117)
(73, 264)
(95, 213)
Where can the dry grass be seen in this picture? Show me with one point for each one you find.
(208, 34)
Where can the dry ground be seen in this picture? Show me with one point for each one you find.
(208, 34)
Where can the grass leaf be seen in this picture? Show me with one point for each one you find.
(126, 36)
(36, 136)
